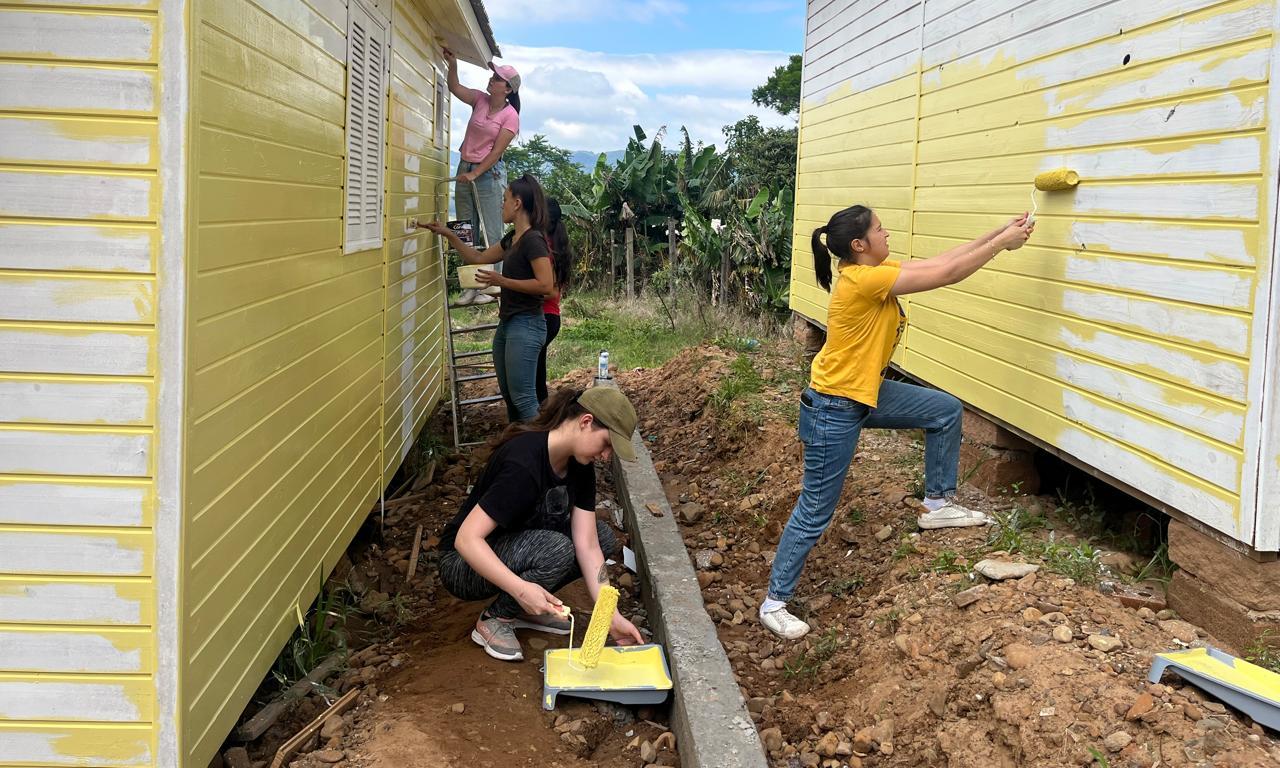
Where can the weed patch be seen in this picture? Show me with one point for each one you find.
(811, 659)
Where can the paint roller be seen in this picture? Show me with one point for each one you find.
(598, 630)
(1057, 180)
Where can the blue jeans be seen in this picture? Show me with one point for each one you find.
(516, 346)
(829, 428)
(489, 188)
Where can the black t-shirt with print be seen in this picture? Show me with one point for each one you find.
(517, 264)
(520, 491)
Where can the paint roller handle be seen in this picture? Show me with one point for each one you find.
(537, 601)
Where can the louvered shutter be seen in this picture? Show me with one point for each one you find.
(366, 85)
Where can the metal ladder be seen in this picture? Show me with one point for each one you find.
(458, 360)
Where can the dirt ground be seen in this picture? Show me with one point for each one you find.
(914, 660)
(1037, 671)
(430, 696)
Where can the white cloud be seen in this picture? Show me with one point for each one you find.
(590, 100)
(526, 12)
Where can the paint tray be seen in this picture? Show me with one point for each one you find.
(635, 675)
(1247, 687)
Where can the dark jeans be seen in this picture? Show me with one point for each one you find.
(540, 555)
(829, 428)
(516, 345)
(553, 328)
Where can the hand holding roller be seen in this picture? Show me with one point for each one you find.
(1057, 180)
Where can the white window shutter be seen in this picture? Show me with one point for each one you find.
(366, 85)
(440, 117)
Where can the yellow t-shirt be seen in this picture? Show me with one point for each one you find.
(864, 323)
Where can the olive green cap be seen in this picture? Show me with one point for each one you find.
(613, 411)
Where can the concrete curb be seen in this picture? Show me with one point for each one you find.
(709, 716)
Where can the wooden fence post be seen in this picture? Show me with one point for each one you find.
(630, 236)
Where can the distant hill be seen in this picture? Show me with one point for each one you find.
(585, 160)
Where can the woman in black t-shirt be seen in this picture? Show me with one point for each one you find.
(526, 279)
(529, 525)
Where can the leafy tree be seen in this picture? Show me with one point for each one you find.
(763, 158)
(553, 166)
(782, 90)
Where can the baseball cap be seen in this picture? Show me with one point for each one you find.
(508, 73)
(613, 411)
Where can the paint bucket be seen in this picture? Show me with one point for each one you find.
(467, 275)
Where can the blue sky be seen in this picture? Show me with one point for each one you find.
(593, 68)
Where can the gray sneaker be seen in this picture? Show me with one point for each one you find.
(556, 625)
(468, 297)
(498, 638)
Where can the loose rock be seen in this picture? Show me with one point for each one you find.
(828, 744)
(884, 533)
(1117, 741)
(969, 596)
(772, 739)
(1019, 656)
(1000, 570)
(334, 727)
(1144, 704)
(329, 755)
(1062, 634)
(1105, 643)
(458, 708)
(1183, 632)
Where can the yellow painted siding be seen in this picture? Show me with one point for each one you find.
(413, 345)
(309, 371)
(1125, 333)
(284, 339)
(79, 248)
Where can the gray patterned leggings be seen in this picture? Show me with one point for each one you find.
(544, 557)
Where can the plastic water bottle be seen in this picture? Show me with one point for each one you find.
(602, 371)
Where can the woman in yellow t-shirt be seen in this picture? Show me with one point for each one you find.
(847, 389)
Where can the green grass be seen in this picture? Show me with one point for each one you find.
(811, 659)
(947, 561)
(1013, 530)
(742, 382)
(856, 515)
(906, 547)
(843, 586)
(1265, 651)
(322, 633)
(641, 333)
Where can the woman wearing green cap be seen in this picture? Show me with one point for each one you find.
(529, 527)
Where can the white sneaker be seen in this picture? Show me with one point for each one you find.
(952, 515)
(468, 297)
(781, 623)
(483, 298)
(492, 290)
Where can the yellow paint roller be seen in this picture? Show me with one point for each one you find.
(598, 629)
(1057, 180)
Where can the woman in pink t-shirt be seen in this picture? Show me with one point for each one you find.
(482, 176)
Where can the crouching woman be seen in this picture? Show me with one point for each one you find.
(529, 526)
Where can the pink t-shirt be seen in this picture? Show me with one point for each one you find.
(484, 126)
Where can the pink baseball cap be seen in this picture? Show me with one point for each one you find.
(508, 73)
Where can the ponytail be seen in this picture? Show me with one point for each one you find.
(560, 407)
(559, 245)
(513, 99)
(821, 259)
(844, 227)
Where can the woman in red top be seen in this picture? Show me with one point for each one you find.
(562, 267)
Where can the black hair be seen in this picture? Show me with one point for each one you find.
(560, 407)
(841, 230)
(513, 99)
(529, 192)
(561, 248)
